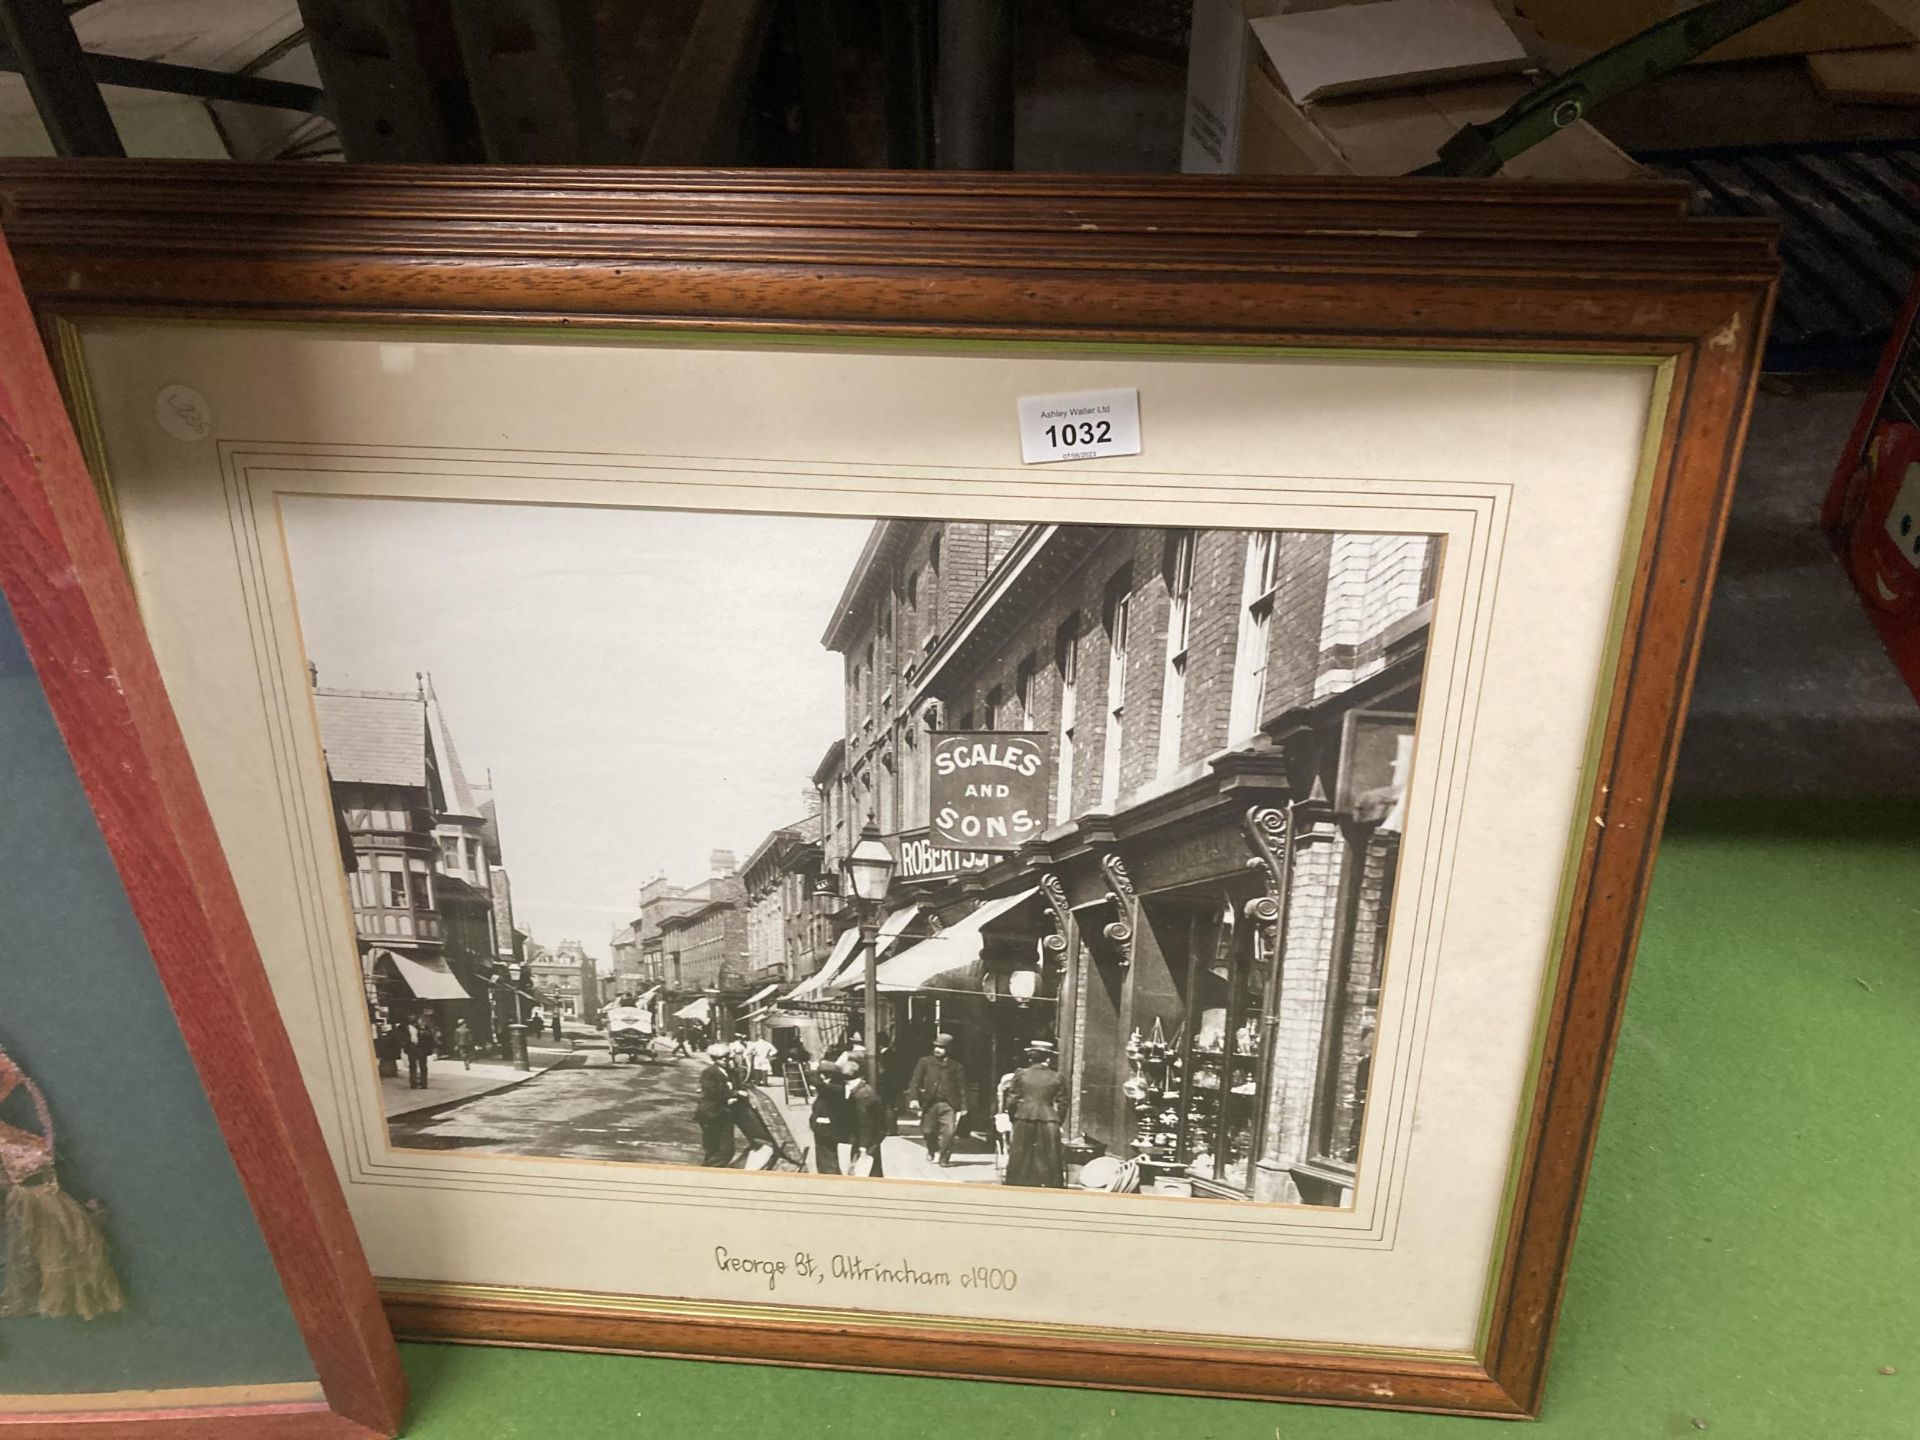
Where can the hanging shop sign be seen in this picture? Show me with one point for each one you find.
(1376, 753)
(987, 789)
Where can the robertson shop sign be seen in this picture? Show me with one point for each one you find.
(987, 790)
(920, 859)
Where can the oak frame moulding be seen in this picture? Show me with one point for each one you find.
(1378, 267)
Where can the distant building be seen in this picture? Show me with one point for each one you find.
(660, 900)
(567, 978)
(778, 881)
(628, 977)
(706, 946)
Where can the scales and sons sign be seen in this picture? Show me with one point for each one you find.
(987, 790)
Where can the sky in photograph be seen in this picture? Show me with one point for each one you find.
(643, 686)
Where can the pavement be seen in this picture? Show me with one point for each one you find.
(449, 1082)
(577, 1104)
(590, 1109)
(903, 1156)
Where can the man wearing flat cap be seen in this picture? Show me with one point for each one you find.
(1034, 1156)
(829, 1119)
(713, 1112)
(939, 1089)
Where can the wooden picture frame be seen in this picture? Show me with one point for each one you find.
(62, 579)
(1407, 268)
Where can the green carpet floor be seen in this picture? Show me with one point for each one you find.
(1749, 1261)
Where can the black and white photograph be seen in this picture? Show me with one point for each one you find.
(1058, 856)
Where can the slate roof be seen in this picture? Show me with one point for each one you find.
(458, 794)
(373, 737)
(803, 831)
(489, 820)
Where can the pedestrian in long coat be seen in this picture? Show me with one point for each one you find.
(867, 1115)
(938, 1089)
(389, 1045)
(421, 1043)
(713, 1112)
(1035, 1156)
(829, 1120)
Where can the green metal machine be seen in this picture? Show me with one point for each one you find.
(1480, 150)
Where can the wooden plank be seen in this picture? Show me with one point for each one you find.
(1809, 26)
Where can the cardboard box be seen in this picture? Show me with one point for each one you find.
(1240, 119)
(1373, 46)
(1396, 134)
(1217, 56)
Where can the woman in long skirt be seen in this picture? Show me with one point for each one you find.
(1034, 1156)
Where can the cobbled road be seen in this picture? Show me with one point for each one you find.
(637, 1112)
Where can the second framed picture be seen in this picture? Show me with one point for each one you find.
(960, 778)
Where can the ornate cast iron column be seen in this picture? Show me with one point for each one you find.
(1120, 891)
(1120, 933)
(1069, 1011)
(1271, 836)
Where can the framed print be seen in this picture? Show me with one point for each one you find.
(763, 851)
(176, 1257)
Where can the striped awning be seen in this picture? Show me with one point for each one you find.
(427, 976)
(816, 984)
(952, 960)
(893, 927)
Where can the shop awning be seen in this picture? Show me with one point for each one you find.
(951, 960)
(701, 1010)
(893, 927)
(886, 936)
(757, 996)
(643, 999)
(428, 977)
(816, 984)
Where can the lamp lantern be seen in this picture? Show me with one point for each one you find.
(870, 867)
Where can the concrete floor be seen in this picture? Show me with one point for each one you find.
(1794, 694)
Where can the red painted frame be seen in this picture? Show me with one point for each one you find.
(61, 574)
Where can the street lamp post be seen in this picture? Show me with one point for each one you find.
(869, 870)
(517, 1030)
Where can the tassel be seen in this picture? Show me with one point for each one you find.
(54, 1251)
(56, 1257)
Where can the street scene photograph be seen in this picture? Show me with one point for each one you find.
(1057, 856)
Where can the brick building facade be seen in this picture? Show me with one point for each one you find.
(786, 934)
(1230, 716)
(704, 941)
(566, 978)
